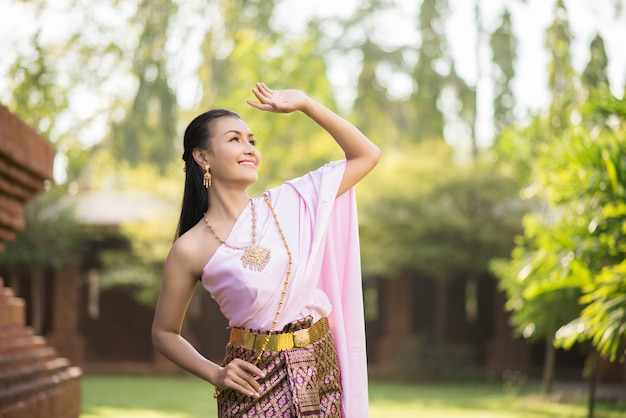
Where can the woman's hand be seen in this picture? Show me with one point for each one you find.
(278, 101)
(240, 376)
(361, 154)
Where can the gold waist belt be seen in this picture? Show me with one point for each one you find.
(281, 340)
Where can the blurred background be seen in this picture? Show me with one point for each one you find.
(492, 231)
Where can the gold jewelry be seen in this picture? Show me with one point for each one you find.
(283, 293)
(285, 284)
(255, 257)
(206, 180)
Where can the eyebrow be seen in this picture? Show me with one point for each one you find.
(236, 132)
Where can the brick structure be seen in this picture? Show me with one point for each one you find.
(34, 380)
(25, 163)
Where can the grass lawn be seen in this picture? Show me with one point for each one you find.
(189, 397)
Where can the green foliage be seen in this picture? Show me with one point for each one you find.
(504, 46)
(569, 263)
(148, 130)
(595, 74)
(518, 147)
(563, 81)
(538, 281)
(428, 120)
(139, 266)
(421, 212)
(602, 192)
(551, 280)
(291, 145)
(37, 98)
(376, 114)
(53, 81)
(51, 237)
(603, 320)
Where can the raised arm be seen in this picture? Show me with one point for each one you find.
(361, 154)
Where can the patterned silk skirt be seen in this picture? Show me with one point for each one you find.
(300, 382)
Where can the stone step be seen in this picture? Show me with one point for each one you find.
(11, 309)
(20, 343)
(31, 371)
(47, 396)
(18, 358)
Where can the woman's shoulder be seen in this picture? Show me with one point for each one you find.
(192, 249)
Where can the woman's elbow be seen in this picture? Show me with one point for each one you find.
(158, 336)
(372, 158)
(376, 154)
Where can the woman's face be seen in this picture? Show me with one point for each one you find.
(233, 157)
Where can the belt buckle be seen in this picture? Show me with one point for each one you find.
(301, 338)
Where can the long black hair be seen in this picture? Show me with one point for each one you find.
(195, 197)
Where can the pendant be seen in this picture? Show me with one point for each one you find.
(255, 257)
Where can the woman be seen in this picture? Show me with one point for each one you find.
(284, 268)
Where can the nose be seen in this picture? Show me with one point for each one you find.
(250, 149)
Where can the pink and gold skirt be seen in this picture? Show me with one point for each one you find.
(302, 373)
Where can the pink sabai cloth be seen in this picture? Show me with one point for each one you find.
(322, 232)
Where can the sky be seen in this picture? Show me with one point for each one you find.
(396, 27)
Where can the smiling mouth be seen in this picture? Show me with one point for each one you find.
(248, 163)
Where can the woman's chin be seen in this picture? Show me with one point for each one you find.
(251, 179)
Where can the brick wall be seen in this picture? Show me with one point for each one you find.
(26, 161)
(34, 381)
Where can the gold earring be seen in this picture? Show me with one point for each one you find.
(206, 180)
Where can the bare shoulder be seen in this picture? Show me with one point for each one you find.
(192, 251)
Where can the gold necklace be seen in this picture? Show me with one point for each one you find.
(285, 284)
(255, 257)
(283, 293)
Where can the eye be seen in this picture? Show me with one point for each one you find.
(252, 142)
(235, 138)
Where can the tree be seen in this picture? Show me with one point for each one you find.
(598, 183)
(570, 261)
(541, 276)
(67, 86)
(138, 266)
(504, 54)
(430, 72)
(422, 214)
(37, 98)
(50, 239)
(148, 129)
(595, 75)
(375, 112)
(562, 78)
(251, 51)
(538, 311)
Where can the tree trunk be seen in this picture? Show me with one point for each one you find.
(592, 372)
(441, 310)
(549, 360)
(37, 299)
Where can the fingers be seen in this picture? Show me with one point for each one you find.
(258, 105)
(264, 105)
(242, 377)
(252, 369)
(263, 87)
(264, 94)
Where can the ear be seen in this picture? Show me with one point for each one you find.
(201, 156)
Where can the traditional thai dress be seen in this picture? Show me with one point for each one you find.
(327, 378)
